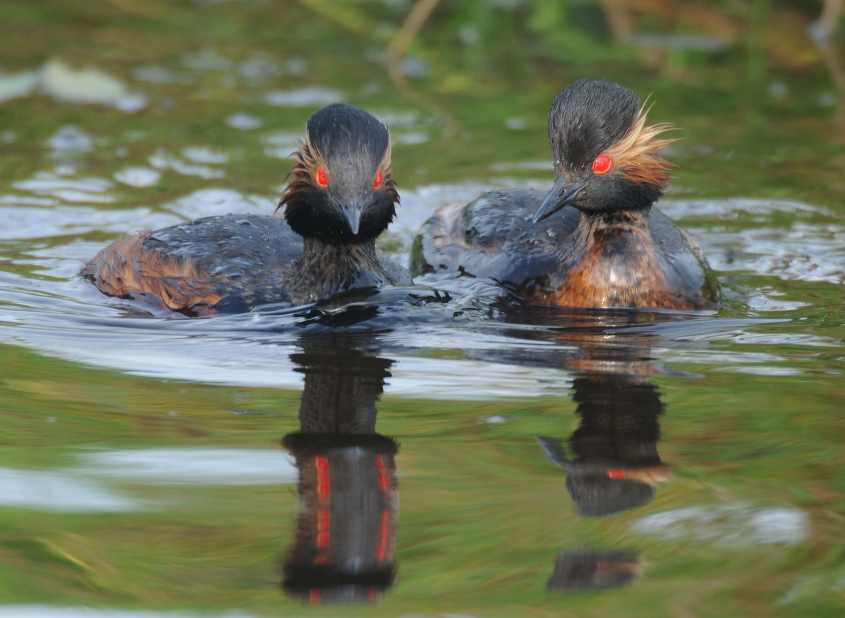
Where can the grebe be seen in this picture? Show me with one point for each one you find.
(340, 198)
(594, 240)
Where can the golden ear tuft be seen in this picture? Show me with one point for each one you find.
(637, 154)
(306, 161)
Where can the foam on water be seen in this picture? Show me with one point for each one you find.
(138, 177)
(57, 491)
(68, 84)
(244, 122)
(205, 466)
(202, 154)
(70, 139)
(17, 85)
(304, 97)
(281, 144)
(163, 160)
(736, 525)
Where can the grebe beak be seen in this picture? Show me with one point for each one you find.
(561, 194)
(352, 214)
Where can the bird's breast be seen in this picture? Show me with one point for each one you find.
(621, 270)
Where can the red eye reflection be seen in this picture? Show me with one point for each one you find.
(322, 177)
(602, 164)
(378, 179)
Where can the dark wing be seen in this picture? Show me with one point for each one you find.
(226, 263)
(493, 237)
(686, 269)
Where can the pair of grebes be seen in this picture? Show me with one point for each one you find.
(593, 241)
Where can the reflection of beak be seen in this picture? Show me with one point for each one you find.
(654, 475)
(352, 214)
(560, 195)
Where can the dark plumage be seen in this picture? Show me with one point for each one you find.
(340, 197)
(594, 240)
(614, 464)
(587, 118)
(351, 145)
(586, 569)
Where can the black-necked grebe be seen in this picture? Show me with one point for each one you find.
(340, 197)
(606, 246)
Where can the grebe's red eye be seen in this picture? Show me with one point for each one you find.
(602, 164)
(322, 177)
(378, 179)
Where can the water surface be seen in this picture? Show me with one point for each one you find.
(393, 458)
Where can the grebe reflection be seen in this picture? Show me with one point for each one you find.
(345, 536)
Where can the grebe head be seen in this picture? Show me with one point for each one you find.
(341, 188)
(606, 156)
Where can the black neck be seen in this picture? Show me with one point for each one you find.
(633, 218)
(340, 391)
(326, 269)
(314, 249)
